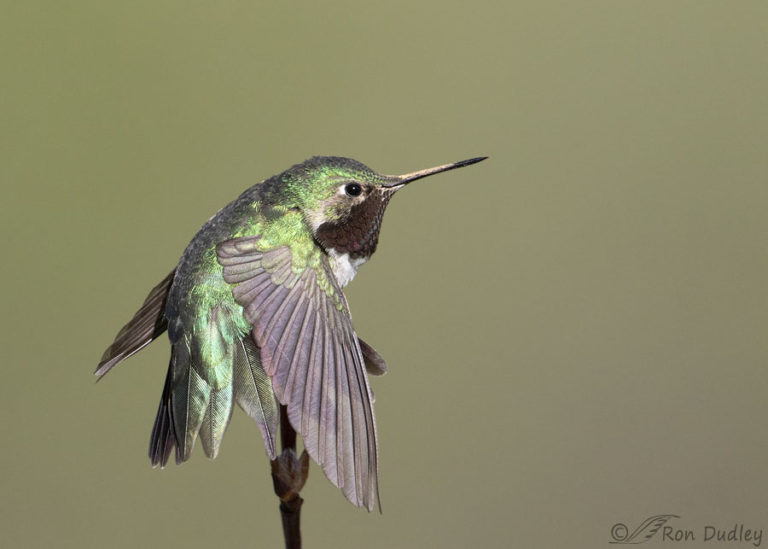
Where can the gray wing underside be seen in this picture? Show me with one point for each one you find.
(310, 351)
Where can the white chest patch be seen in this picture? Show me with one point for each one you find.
(344, 268)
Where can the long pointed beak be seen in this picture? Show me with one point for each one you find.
(401, 180)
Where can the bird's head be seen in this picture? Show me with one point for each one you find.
(343, 201)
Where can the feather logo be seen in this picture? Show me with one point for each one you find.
(641, 534)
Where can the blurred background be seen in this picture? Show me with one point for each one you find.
(575, 329)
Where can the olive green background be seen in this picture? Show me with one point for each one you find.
(575, 329)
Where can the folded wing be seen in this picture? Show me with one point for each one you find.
(147, 324)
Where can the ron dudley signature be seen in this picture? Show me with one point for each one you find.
(656, 527)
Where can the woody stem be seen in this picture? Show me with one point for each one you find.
(288, 475)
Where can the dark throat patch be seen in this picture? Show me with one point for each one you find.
(358, 233)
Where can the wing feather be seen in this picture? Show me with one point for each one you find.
(346, 446)
(250, 289)
(299, 339)
(147, 324)
(328, 412)
(312, 389)
(374, 363)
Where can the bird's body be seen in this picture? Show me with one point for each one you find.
(256, 316)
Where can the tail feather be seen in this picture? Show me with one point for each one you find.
(163, 437)
(216, 420)
(253, 392)
(190, 396)
(206, 373)
(147, 324)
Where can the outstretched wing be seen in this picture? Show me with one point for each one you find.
(309, 348)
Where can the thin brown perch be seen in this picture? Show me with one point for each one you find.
(289, 474)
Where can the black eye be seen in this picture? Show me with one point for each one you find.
(353, 189)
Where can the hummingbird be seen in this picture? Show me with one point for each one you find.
(256, 316)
